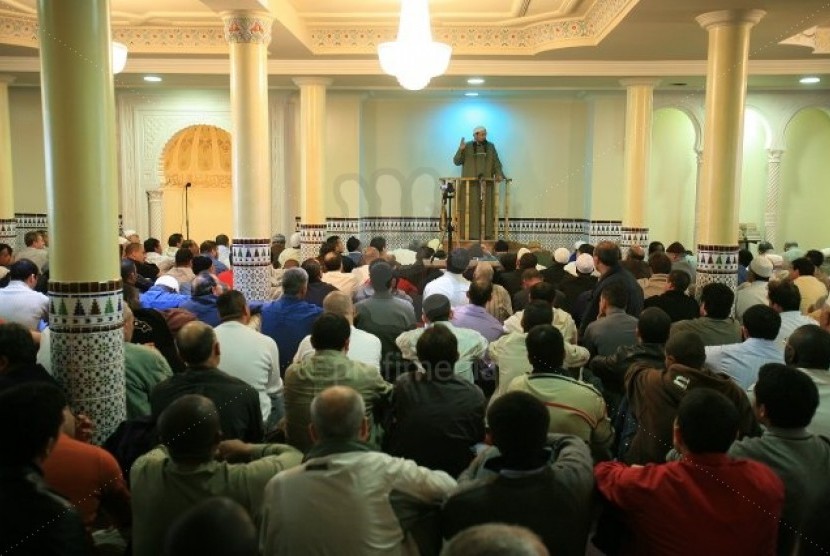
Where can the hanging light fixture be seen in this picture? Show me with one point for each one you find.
(119, 57)
(414, 58)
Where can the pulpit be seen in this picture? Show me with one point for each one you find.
(479, 207)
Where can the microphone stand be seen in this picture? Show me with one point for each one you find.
(447, 197)
(186, 210)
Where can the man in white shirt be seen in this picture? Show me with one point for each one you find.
(35, 249)
(754, 290)
(153, 255)
(333, 274)
(438, 312)
(363, 346)
(452, 284)
(18, 301)
(342, 476)
(249, 355)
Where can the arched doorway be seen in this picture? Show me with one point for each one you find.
(199, 155)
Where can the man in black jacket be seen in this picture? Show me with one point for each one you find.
(33, 519)
(607, 261)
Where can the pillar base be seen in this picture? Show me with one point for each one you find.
(86, 321)
(8, 232)
(312, 237)
(251, 258)
(717, 263)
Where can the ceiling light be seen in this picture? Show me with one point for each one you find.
(471, 94)
(414, 58)
(152, 78)
(475, 81)
(810, 80)
(119, 57)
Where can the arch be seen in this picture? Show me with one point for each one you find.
(796, 111)
(198, 155)
(693, 109)
(672, 188)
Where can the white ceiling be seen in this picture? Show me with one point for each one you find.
(338, 38)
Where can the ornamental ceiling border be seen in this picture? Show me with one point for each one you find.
(466, 39)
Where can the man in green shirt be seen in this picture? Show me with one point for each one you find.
(171, 479)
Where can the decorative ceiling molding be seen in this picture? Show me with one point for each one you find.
(490, 39)
(467, 39)
(507, 68)
(816, 38)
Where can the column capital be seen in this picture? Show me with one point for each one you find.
(250, 27)
(729, 18)
(7, 79)
(774, 155)
(155, 195)
(310, 81)
(640, 82)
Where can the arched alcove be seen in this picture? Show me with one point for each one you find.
(805, 194)
(670, 201)
(199, 155)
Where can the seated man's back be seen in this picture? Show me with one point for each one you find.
(546, 488)
(706, 503)
(327, 367)
(169, 480)
(236, 401)
(337, 502)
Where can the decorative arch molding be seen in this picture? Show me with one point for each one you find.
(691, 105)
(781, 108)
(146, 124)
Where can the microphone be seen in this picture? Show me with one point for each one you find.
(187, 185)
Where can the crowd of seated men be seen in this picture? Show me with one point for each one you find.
(418, 401)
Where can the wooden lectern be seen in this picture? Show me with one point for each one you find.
(478, 207)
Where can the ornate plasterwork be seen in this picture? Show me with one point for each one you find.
(510, 39)
(500, 39)
(246, 28)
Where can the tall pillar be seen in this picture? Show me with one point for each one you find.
(248, 35)
(85, 310)
(155, 199)
(8, 223)
(638, 124)
(698, 170)
(718, 202)
(312, 162)
(773, 195)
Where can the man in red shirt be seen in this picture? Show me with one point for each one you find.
(706, 503)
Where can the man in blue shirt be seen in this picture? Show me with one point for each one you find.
(288, 319)
(742, 361)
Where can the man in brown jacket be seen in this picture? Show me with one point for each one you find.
(655, 394)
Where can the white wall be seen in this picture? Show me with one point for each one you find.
(28, 159)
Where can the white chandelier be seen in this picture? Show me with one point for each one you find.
(119, 57)
(414, 58)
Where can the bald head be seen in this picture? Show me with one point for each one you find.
(339, 303)
(370, 254)
(197, 344)
(483, 272)
(636, 252)
(495, 539)
(338, 413)
(189, 427)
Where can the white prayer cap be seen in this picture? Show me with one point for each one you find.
(479, 128)
(295, 240)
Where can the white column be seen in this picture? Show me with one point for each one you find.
(719, 199)
(85, 290)
(8, 222)
(638, 124)
(248, 34)
(773, 195)
(155, 198)
(312, 165)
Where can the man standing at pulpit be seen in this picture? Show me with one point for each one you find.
(478, 159)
